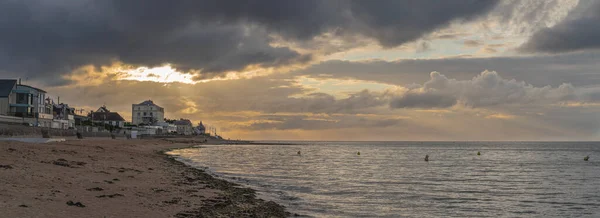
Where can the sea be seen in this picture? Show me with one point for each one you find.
(392, 179)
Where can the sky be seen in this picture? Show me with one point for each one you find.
(321, 70)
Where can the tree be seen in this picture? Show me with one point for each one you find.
(153, 121)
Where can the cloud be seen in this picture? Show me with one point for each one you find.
(579, 69)
(423, 100)
(579, 31)
(395, 22)
(271, 94)
(489, 50)
(47, 38)
(485, 90)
(500, 116)
(278, 107)
(515, 17)
(472, 43)
(334, 122)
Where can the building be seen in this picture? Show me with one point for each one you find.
(63, 116)
(200, 129)
(104, 116)
(29, 103)
(146, 113)
(184, 127)
(167, 127)
(7, 96)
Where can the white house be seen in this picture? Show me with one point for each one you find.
(167, 127)
(184, 127)
(147, 113)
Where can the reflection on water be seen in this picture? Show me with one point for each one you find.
(391, 179)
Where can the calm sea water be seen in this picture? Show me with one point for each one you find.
(391, 179)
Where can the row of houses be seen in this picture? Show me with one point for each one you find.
(147, 118)
(151, 115)
(33, 106)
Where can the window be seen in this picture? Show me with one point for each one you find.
(144, 113)
(150, 113)
(138, 113)
(22, 98)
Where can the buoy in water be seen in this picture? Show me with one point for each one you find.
(426, 157)
(478, 153)
(358, 153)
(586, 158)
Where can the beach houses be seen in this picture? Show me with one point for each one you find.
(184, 127)
(200, 129)
(106, 117)
(63, 116)
(146, 113)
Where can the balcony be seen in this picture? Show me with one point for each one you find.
(19, 104)
(21, 114)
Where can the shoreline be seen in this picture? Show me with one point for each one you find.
(117, 178)
(233, 193)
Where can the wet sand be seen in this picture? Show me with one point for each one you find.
(116, 178)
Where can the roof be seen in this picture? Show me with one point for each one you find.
(106, 116)
(201, 126)
(102, 109)
(149, 103)
(39, 90)
(6, 86)
(183, 122)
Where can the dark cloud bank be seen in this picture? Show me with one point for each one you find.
(46, 38)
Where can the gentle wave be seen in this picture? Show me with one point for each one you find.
(390, 179)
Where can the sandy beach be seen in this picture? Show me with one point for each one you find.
(116, 178)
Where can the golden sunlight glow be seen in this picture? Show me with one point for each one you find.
(578, 104)
(162, 74)
(190, 106)
(500, 116)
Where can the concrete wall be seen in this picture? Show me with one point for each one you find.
(18, 130)
(4, 106)
(10, 119)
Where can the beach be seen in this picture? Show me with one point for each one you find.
(116, 178)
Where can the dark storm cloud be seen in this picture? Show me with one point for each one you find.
(394, 22)
(391, 22)
(579, 31)
(46, 38)
(49, 38)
